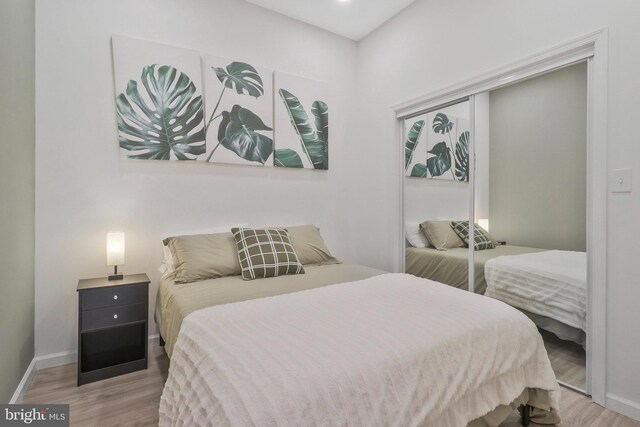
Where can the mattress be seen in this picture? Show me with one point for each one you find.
(550, 283)
(393, 350)
(451, 267)
(177, 301)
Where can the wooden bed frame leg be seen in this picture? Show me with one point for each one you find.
(161, 341)
(526, 414)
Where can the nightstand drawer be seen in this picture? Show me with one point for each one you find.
(112, 316)
(91, 299)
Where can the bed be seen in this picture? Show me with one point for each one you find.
(347, 345)
(547, 286)
(175, 302)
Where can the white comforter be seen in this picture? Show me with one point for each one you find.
(392, 350)
(549, 283)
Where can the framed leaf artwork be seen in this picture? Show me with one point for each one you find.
(159, 104)
(239, 112)
(301, 116)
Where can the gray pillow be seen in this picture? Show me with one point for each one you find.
(481, 240)
(203, 256)
(309, 245)
(265, 252)
(441, 235)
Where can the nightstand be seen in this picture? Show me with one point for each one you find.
(112, 327)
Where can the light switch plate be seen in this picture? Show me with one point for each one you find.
(621, 181)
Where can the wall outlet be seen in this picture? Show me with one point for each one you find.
(621, 181)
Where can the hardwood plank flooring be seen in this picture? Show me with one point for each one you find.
(577, 410)
(568, 360)
(127, 400)
(133, 399)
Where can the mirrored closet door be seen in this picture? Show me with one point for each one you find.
(531, 191)
(515, 160)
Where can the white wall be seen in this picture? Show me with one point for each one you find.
(435, 43)
(84, 190)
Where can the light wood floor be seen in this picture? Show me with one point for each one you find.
(568, 360)
(132, 399)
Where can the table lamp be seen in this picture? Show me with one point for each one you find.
(115, 253)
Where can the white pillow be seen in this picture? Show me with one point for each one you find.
(415, 236)
(167, 265)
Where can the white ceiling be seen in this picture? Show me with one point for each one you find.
(350, 18)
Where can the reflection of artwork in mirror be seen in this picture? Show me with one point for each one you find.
(447, 147)
(415, 147)
(436, 145)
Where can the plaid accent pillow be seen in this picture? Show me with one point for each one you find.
(481, 240)
(265, 252)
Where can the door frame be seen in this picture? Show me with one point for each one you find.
(593, 48)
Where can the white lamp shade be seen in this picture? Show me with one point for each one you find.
(115, 248)
(484, 223)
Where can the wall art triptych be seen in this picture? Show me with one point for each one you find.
(174, 104)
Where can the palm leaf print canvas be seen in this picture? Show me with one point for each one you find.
(415, 147)
(301, 119)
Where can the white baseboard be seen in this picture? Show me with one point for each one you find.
(24, 383)
(623, 406)
(55, 359)
(44, 362)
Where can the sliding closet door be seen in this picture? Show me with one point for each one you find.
(531, 196)
(437, 193)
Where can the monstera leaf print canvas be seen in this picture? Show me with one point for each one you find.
(301, 116)
(238, 111)
(447, 132)
(159, 104)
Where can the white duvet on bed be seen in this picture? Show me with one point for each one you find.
(392, 350)
(549, 283)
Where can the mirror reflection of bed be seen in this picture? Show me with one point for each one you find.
(529, 197)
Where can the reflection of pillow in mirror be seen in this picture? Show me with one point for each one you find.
(489, 236)
(415, 236)
(480, 239)
(441, 235)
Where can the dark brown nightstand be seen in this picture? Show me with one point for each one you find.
(112, 327)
